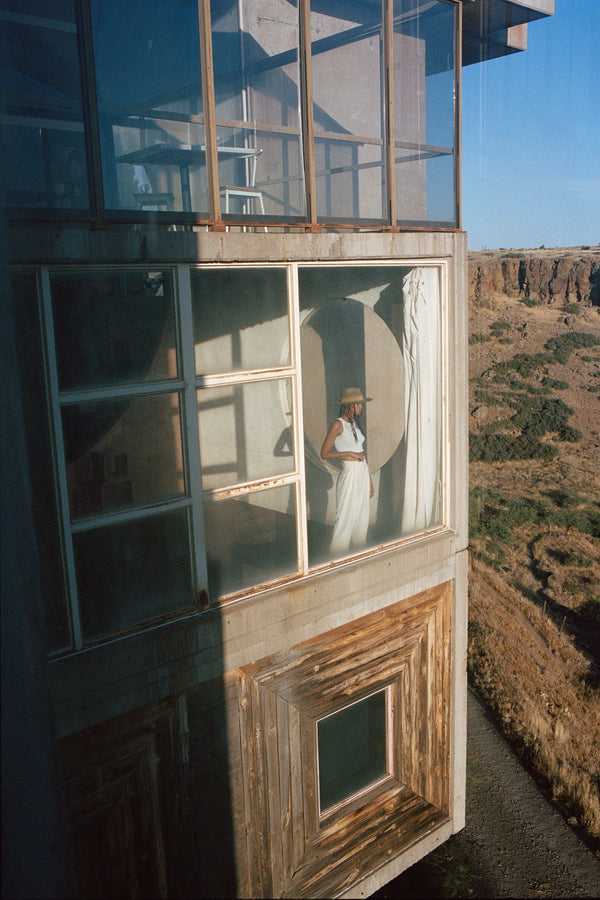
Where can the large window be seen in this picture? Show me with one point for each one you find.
(190, 406)
(234, 110)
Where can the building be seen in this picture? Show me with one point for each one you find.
(218, 217)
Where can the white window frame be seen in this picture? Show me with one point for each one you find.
(186, 385)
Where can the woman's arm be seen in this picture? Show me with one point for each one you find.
(327, 451)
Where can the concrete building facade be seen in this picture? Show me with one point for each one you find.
(220, 216)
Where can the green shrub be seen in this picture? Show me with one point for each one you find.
(529, 301)
(554, 384)
(590, 610)
(479, 338)
(563, 345)
(572, 308)
(501, 447)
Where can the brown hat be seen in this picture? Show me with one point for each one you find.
(353, 395)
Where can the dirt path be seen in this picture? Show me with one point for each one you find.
(515, 843)
(519, 845)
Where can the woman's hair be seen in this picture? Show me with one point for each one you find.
(345, 408)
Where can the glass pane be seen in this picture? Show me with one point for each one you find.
(147, 57)
(246, 432)
(348, 111)
(250, 539)
(352, 747)
(30, 357)
(134, 572)
(240, 319)
(424, 115)
(122, 452)
(363, 327)
(257, 86)
(113, 327)
(42, 125)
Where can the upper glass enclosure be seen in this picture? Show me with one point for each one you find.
(273, 111)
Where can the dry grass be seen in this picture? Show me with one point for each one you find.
(534, 619)
(542, 690)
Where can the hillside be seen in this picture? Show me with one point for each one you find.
(534, 621)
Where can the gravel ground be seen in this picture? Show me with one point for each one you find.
(515, 843)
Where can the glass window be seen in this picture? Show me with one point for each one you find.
(257, 92)
(113, 327)
(147, 58)
(42, 123)
(352, 749)
(348, 103)
(250, 539)
(179, 449)
(424, 111)
(122, 452)
(240, 319)
(246, 432)
(132, 572)
(363, 328)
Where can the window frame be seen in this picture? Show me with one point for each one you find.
(97, 210)
(377, 785)
(186, 385)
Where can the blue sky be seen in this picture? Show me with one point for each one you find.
(531, 137)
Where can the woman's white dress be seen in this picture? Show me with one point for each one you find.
(352, 493)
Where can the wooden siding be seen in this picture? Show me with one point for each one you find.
(405, 646)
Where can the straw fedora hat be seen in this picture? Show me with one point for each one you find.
(353, 395)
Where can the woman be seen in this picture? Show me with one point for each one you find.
(354, 488)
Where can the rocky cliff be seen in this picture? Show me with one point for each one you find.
(553, 277)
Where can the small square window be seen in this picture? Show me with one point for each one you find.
(353, 750)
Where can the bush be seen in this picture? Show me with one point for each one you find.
(500, 447)
(525, 364)
(554, 384)
(563, 345)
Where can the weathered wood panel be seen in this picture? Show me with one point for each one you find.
(405, 648)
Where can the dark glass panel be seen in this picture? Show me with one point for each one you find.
(133, 572)
(44, 161)
(121, 453)
(352, 745)
(113, 327)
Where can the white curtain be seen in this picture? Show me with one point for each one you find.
(422, 399)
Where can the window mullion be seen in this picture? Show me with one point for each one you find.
(63, 494)
(388, 112)
(298, 419)
(190, 427)
(210, 112)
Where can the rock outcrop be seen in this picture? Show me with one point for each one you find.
(553, 277)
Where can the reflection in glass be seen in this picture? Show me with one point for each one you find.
(240, 319)
(352, 749)
(424, 112)
(263, 71)
(113, 327)
(122, 452)
(133, 572)
(43, 141)
(250, 539)
(377, 328)
(348, 111)
(147, 58)
(245, 432)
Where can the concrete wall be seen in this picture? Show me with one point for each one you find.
(176, 659)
